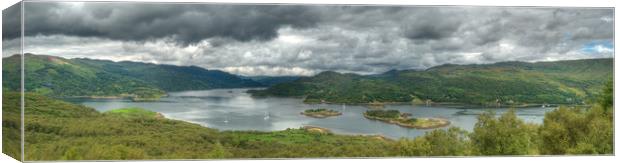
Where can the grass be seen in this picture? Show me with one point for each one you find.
(57, 130)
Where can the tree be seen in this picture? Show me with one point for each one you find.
(453, 142)
(450, 142)
(607, 98)
(416, 147)
(577, 131)
(218, 151)
(506, 135)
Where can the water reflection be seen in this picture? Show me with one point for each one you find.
(233, 109)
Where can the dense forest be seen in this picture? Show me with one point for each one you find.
(57, 130)
(60, 77)
(504, 83)
(271, 80)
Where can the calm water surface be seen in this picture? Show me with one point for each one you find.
(233, 109)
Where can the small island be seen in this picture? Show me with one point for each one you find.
(315, 129)
(403, 120)
(133, 112)
(321, 113)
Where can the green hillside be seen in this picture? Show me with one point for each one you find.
(57, 130)
(271, 80)
(507, 83)
(172, 78)
(60, 77)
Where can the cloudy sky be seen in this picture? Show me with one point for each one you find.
(305, 40)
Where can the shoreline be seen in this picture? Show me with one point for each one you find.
(322, 114)
(323, 130)
(445, 104)
(128, 97)
(443, 122)
(432, 104)
(308, 128)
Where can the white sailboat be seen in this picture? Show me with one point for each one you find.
(266, 116)
(226, 119)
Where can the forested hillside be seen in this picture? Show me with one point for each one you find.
(57, 130)
(172, 78)
(505, 83)
(60, 77)
(271, 80)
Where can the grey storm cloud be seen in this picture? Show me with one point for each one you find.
(307, 39)
(11, 18)
(425, 25)
(186, 23)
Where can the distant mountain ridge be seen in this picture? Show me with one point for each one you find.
(271, 80)
(514, 83)
(508, 83)
(173, 78)
(61, 77)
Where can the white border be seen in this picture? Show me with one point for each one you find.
(563, 3)
(554, 3)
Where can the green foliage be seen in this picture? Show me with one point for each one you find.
(580, 131)
(11, 73)
(392, 114)
(272, 80)
(506, 135)
(450, 142)
(169, 77)
(132, 113)
(509, 83)
(298, 143)
(320, 110)
(218, 151)
(11, 124)
(577, 131)
(57, 130)
(60, 77)
(315, 110)
(606, 100)
(321, 113)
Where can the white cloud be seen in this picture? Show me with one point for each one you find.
(365, 41)
(607, 19)
(603, 49)
(269, 71)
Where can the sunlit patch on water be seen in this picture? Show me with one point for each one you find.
(233, 109)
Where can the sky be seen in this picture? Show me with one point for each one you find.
(278, 40)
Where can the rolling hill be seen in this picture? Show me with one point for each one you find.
(271, 80)
(505, 83)
(58, 130)
(60, 77)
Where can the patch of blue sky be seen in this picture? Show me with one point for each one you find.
(598, 47)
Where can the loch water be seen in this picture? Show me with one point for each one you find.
(234, 109)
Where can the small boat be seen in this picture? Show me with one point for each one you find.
(266, 116)
(226, 119)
